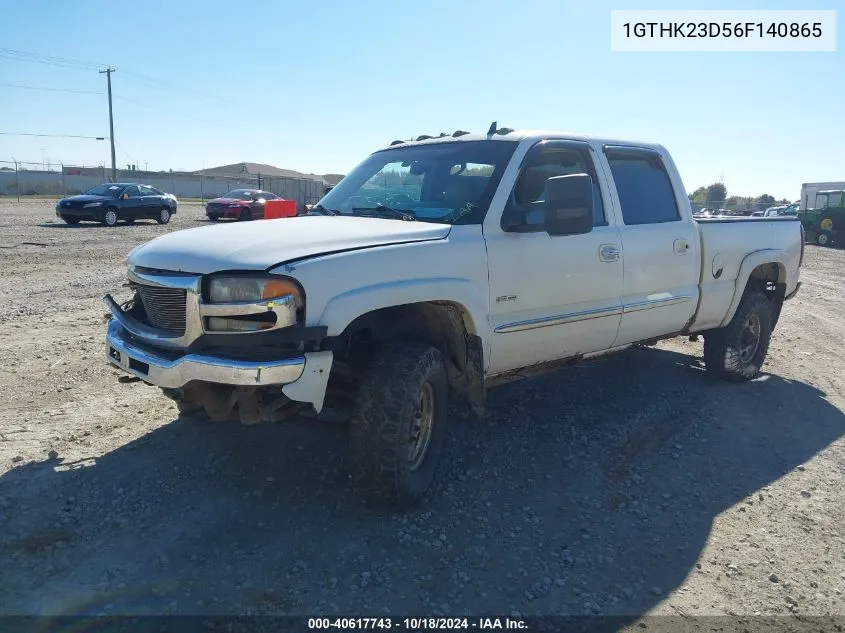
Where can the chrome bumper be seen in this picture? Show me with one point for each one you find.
(172, 370)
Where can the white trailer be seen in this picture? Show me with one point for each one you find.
(810, 189)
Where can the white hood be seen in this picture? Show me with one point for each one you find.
(264, 243)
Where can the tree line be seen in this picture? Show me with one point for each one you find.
(716, 196)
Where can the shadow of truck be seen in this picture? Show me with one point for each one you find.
(590, 490)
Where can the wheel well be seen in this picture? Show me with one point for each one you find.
(444, 325)
(770, 280)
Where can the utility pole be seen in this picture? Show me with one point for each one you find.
(108, 72)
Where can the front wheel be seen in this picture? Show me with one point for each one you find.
(824, 238)
(737, 351)
(246, 215)
(398, 424)
(163, 216)
(110, 217)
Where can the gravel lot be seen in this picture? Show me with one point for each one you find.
(632, 486)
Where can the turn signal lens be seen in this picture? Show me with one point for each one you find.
(280, 287)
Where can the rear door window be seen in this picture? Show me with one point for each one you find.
(644, 188)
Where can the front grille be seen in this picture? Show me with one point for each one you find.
(165, 307)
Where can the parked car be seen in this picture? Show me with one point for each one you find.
(111, 203)
(551, 249)
(791, 209)
(239, 204)
(771, 212)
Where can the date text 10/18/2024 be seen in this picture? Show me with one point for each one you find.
(417, 624)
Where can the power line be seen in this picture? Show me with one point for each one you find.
(65, 62)
(96, 138)
(149, 82)
(82, 92)
(129, 75)
(52, 60)
(156, 107)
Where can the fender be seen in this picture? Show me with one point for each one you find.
(749, 263)
(344, 308)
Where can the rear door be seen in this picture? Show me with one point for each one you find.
(659, 242)
(151, 201)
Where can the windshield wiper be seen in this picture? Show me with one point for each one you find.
(319, 208)
(402, 214)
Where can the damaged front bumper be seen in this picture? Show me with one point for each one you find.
(173, 370)
(303, 378)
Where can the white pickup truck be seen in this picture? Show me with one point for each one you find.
(437, 268)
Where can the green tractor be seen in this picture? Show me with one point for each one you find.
(827, 220)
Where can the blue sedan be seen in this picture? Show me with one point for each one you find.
(112, 202)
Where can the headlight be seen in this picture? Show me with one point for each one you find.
(92, 204)
(234, 289)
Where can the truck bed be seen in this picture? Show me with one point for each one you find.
(724, 246)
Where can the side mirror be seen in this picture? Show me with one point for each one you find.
(569, 205)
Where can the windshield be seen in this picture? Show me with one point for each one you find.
(240, 194)
(110, 191)
(449, 183)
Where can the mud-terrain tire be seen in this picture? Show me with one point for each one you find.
(403, 396)
(737, 351)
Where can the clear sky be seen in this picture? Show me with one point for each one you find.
(315, 86)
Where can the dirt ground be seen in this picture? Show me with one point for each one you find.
(632, 486)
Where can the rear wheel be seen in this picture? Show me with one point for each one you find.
(163, 216)
(110, 217)
(245, 215)
(399, 423)
(826, 223)
(70, 220)
(737, 351)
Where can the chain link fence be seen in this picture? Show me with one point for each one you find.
(21, 179)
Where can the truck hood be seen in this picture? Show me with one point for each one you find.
(266, 243)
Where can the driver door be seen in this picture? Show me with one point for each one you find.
(552, 297)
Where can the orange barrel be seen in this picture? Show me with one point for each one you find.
(279, 209)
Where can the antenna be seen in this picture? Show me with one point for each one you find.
(492, 129)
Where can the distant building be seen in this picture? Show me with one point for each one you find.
(256, 170)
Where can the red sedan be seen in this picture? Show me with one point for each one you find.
(239, 204)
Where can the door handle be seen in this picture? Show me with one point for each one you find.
(609, 253)
(681, 247)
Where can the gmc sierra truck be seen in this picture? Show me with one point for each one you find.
(436, 269)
